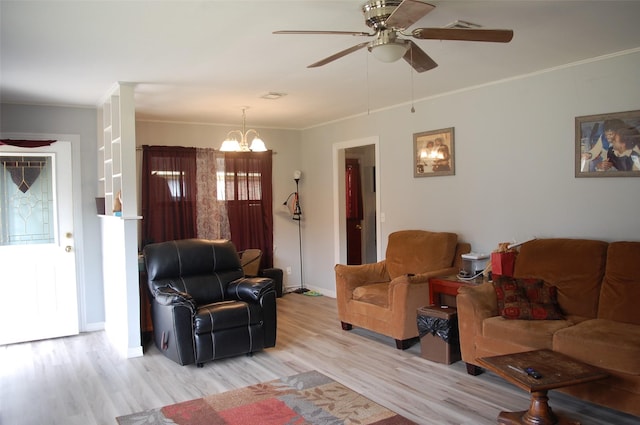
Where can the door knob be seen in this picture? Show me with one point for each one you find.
(67, 248)
(358, 226)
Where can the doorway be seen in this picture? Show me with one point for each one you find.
(37, 253)
(356, 233)
(354, 210)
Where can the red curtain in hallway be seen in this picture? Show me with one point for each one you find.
(353, 190)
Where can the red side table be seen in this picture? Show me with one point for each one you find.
(443, 290)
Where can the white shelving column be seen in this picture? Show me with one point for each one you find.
(117, 175)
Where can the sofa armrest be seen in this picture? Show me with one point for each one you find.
(474, 304)
(250, 289)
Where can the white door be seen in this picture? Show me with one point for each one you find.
(37, 258)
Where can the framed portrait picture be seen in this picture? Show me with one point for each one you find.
(608, 145)
(433, 153)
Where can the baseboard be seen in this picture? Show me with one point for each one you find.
(296, 289)
(93, 327)
(135, 352)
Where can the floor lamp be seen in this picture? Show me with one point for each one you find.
(297, 215)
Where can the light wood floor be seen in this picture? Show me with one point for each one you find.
(80, 380)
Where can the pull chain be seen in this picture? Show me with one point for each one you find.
(413, 109)
(368, 86)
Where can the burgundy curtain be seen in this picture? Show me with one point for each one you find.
(250, 202)
(25, 172)
(27, 143)
(168, 193)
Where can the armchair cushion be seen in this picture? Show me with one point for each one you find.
(375, 293)
(416, 252)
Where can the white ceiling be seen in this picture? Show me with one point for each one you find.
(203, 61)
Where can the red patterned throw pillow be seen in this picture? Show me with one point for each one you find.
(526, 299)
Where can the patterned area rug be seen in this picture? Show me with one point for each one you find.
(308, 398)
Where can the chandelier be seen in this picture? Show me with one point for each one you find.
(232, 144)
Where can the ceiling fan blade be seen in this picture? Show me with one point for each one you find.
(338, 55)
(407, 13)
(418, 59)
(471, 34)
(354, 33)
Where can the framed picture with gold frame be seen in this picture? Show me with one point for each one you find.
(608, 145)
(433, 153)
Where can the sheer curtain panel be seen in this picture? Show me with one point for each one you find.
(211, 213)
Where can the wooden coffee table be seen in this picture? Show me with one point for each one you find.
(557, 371)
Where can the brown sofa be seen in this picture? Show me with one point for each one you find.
(598, 291)
(384, 297)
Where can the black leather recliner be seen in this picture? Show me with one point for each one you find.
(202, 306)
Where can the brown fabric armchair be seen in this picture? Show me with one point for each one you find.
(384, 297)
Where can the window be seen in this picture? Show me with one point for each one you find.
(26, 200)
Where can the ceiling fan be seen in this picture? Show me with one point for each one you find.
(389, 19)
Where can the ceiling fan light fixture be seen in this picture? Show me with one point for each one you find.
(389, 52)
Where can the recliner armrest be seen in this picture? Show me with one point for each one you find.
(166, 295)
(250, 288)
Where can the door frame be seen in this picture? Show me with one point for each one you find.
(339, 210)
(76, 196)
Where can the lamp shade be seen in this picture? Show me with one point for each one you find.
(230, 145)
(390, 52)
(258, 145)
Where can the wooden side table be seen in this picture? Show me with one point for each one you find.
(443, 290)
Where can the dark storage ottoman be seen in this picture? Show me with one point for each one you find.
(276, 274)
(439, 337)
